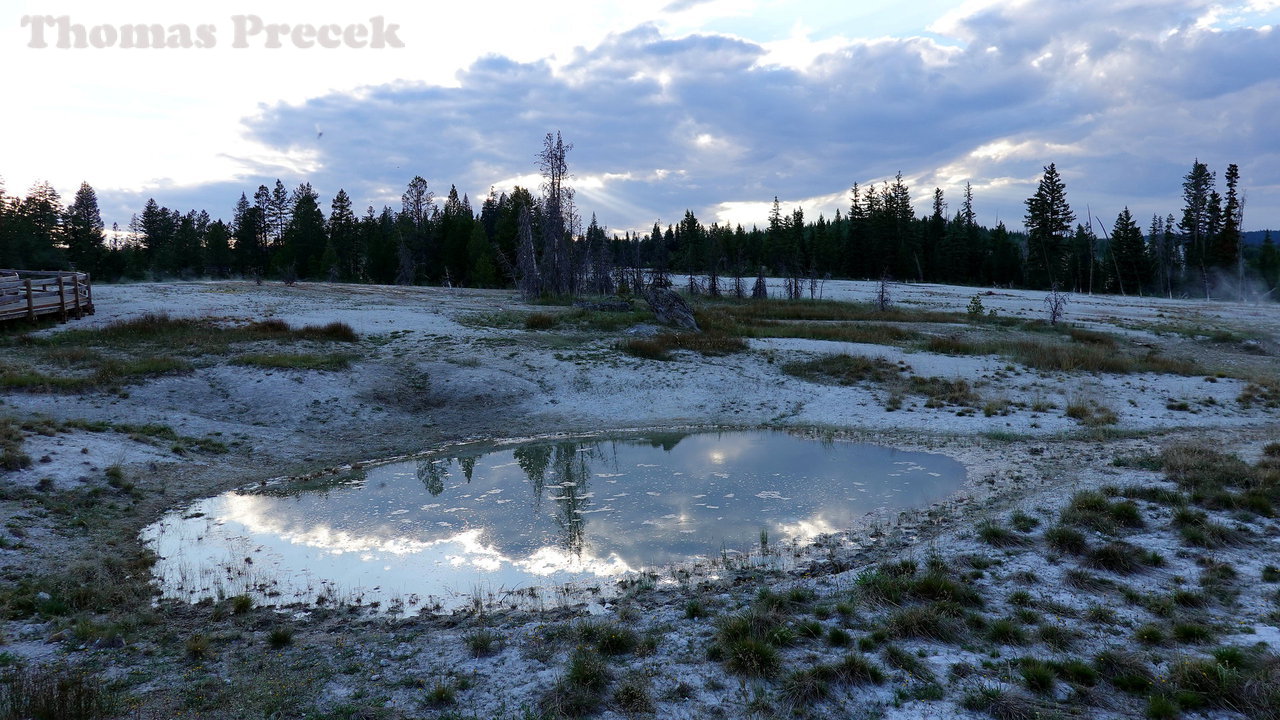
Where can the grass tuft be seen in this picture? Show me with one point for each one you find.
(660, 347)
(45, 691)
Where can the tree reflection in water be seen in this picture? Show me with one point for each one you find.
(432, 474)
(595, 508)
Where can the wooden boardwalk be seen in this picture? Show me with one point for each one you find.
(32, 294)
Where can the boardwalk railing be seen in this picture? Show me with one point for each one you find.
(30, 294)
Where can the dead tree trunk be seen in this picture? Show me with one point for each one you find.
(670, 308)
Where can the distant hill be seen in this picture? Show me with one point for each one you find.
(1254, 237)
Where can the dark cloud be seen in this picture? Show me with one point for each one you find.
(1121, 96)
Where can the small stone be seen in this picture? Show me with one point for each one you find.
(114, 642)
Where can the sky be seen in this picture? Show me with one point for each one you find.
(714, 106)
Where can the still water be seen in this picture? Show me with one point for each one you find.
(446, 530)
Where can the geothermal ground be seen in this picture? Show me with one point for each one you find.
(1114, 551)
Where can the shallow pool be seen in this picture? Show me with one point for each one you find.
(488, 524)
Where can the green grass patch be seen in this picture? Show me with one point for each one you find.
(999, 536)
(1120, 558)
(1095, 511)
(296, 361)
(843, 369)
(936, 621)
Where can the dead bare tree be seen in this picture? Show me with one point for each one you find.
(528, 277)
(760, 291)
(1055, 304)
(406, 268)
(792, 285)
(739, 288)
(713, 277)
(883, 298)
(559, 217)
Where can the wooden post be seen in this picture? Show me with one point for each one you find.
(62, 299)
(75, 294)
(31, 301)
(88, 292)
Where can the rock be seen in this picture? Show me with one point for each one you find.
(43, 596)
(670, 308)
(114, 642)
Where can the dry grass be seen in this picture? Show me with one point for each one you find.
(869, 333)
(149, 346)
(1089, 352)
(53, 692)
(11, 440)
(843, 369)
(1091, 413)
(187, 335)
(755, 311)
(814, 320)
(661, 347)
(540, 321)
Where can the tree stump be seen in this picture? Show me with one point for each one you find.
(670, 308)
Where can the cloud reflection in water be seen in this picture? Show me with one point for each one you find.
(538, 515)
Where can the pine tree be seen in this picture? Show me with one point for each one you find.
(938, 252)
(975, 253)
(905, 241)
(1230, 240)
(279, 212)
(217, 249)
(1269, 265)
(1129, 256)
(304, 237)
(483, 272)
(1006, 264)
(777, 241)
(1048, 221)
(186, 256)
(856, 242)
(157, 228)
(343, 230)
(1196, 229)
(84, 230)
(1084, 258)
(455, 235)
(415, 249)
(598, 271)
(380, 233)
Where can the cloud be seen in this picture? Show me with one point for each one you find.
(682, 5)
(1122, 96)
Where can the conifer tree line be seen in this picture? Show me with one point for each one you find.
(537, 243)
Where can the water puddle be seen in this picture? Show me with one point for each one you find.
(513, 526)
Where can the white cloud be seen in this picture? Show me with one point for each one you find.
(1122, 95)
